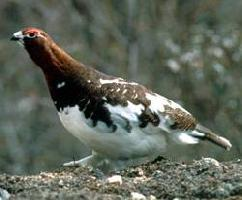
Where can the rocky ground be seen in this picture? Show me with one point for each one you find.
(162, 179)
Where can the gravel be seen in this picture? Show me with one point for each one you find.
(161, 179)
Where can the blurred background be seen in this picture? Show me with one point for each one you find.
(189, 51)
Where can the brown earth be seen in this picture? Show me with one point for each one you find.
(161, 179)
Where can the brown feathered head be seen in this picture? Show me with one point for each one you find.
(42, 49)
(31, 37)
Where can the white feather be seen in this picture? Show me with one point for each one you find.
(197, 133)
(158, 103)
(187, 139)
(117, 80)
(118, 144)
(226, 141)
(129, 112)
(60, 85)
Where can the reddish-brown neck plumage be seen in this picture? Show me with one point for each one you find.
(59, 68)
(51, 58)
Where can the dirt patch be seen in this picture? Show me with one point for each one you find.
(161, 179)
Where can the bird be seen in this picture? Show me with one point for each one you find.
(123, 122)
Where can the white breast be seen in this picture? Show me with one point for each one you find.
(75, 122)
(113, 145)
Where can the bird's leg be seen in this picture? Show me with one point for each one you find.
(106, 165)
(81, 162)
(97, 161)
(91, 160)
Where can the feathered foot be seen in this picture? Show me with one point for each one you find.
(106, 165)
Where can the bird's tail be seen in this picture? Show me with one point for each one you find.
(203, 133)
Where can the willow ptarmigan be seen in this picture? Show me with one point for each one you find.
(123, 122)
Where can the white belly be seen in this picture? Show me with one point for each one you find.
(119, 144)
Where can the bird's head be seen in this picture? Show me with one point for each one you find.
(37, 43)
(30, 37)
(42, 49)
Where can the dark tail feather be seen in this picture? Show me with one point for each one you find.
(204, 133)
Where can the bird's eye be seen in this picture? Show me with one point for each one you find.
(31, 35)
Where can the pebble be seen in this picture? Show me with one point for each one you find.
(137, 196)
(115, 179)
(211, 161)
(152, 197)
